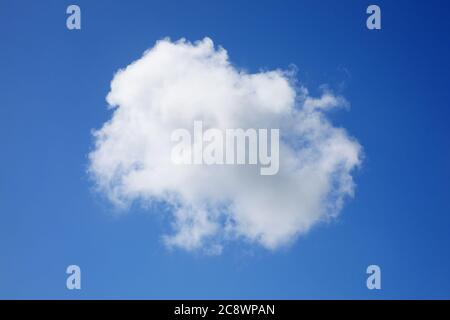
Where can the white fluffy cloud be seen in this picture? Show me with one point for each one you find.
(175, 83)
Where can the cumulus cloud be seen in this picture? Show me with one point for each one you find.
(176, 83)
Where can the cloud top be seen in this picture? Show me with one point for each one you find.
(176, 83)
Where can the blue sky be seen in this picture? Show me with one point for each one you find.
(54, 82)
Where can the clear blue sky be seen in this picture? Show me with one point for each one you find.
(53, 84)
